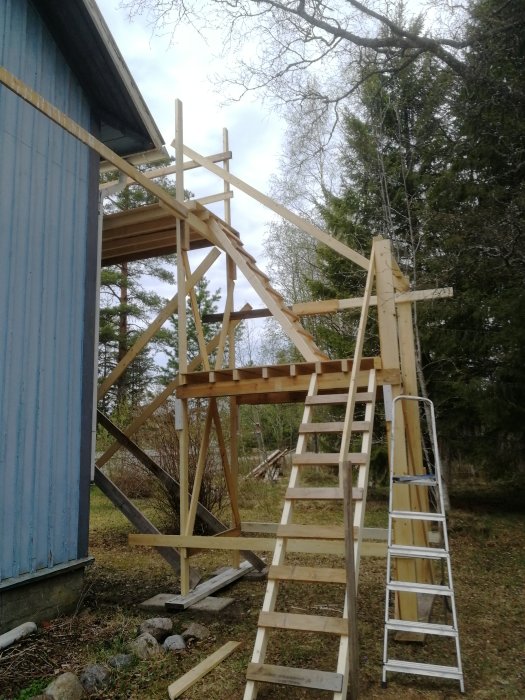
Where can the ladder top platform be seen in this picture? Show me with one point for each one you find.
(276, 383)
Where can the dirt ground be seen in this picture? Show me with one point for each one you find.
(487, 536)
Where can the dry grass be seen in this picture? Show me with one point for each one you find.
(487, 537)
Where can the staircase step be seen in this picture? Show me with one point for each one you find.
(421, 627)
(402, 550)
(423, 669)
(321, 493)
(327, 458)
(359, 426)
(418, 515)
(300, 677)
(315, 532)
(429, 588)
(325, 399)
(304, 623)
(307, 574)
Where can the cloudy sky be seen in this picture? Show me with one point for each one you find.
(166, 68)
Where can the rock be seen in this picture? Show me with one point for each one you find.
(121, 660)
(145, 646)
(65, 687)
(158, 627)
(174, 643)
(94, 677)
(196, 631)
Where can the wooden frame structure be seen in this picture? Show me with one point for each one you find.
(177, 225)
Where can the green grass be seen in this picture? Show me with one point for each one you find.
(489, 571)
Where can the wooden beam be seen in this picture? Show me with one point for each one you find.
(165, 170)
(290, 216)
(157, 402)
(38, 102)
(155, 325)
(176, 689)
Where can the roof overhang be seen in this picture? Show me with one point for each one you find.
(126, 124)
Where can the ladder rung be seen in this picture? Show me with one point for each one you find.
(402, 550)
(304, 623)
(317, 532)
(359, 426)
(323, 399)
(409, 587)
(421, 627)
(327, 458)
(307, 574)
(423, 669)
(417, 515)
(326, 493)
(301, 677)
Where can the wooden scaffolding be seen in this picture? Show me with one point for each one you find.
(175, 225)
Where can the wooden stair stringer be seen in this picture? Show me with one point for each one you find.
(288, 321)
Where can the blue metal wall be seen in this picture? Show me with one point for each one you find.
(45, 180)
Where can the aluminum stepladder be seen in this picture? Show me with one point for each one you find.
(439, 553)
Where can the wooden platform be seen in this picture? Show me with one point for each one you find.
(278, 383)
(149, 231)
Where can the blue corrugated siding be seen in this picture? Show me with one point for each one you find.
(43, 227)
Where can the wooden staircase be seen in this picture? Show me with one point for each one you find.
(289, 321)
(339, 522)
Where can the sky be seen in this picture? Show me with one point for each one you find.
(165, 69)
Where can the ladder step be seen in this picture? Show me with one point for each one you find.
(409, 587)
(359, 426)
(301, 677)
(327, 458)
(316, 532)
(415, 479)
(325, 493)
(417, 515)
(304, 623)
(421, 627)
(324, 399)
(403, 550)
(307, 574)
(423, 669)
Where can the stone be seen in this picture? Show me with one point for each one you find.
(158, 627)
(157, 603)
(94, 677)
(41, 697)
(196, 631)
(145, 646)
(65, 687)
(211, 604)
(175, 642)
(121, 661)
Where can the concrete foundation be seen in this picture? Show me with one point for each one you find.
(42, 599)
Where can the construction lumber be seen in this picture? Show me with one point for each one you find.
(177, 688)
(331, 306)
(139, 520)
(164, 170)
(259, 544)
(38, 102)
(203, 515)
(156, 324)
(298, 677)
(290, 216)
(207, 588)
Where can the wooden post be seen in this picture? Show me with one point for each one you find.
(183, 422)
(406, 603)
